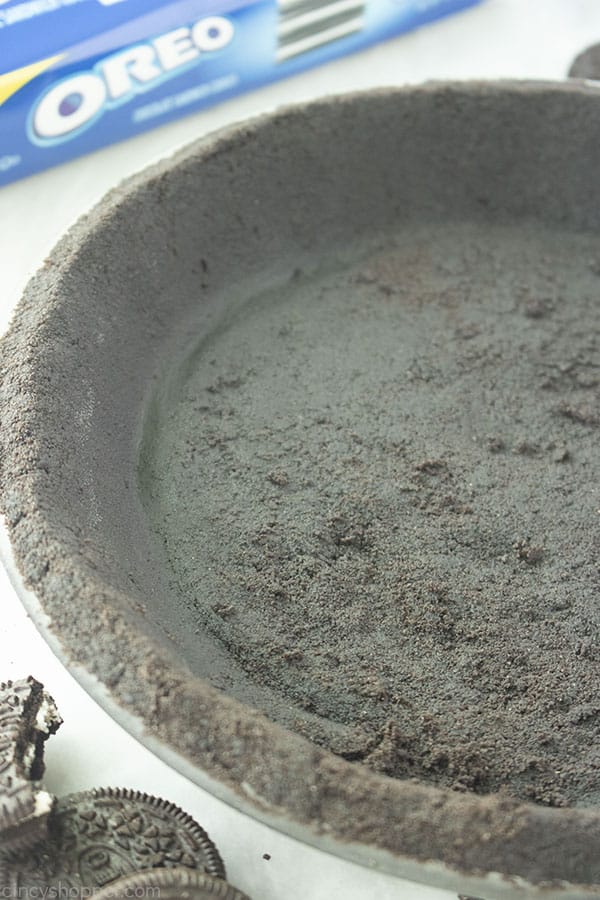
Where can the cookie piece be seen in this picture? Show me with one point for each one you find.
(171, 884)
(587, 64)
(28, 716)
(95, 837)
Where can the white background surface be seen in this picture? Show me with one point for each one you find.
(501, 38)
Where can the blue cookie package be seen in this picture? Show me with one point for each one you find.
(76, 75)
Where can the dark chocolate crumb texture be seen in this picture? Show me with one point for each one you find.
(100, 835)
(377, 487)
(28, 716)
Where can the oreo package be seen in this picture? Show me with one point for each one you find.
(76, 75)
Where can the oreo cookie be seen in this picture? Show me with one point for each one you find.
(98, 836)
(28, 716)
(170, 884)
(587, 64)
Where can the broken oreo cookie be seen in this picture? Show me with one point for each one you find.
(587, 64)
(171, 884)
(98, 836)
(28, 716)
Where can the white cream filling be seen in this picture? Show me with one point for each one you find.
(45, 715)
(43, 803)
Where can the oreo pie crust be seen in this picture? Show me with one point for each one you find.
(84, 361)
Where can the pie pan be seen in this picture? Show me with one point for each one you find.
(167, 261)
